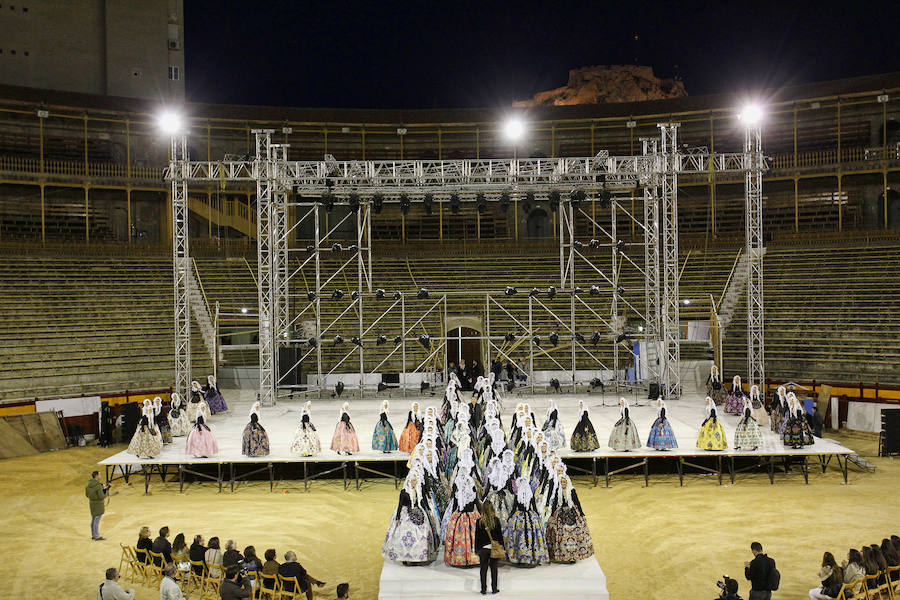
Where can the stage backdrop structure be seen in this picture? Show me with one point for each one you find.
(308, 187)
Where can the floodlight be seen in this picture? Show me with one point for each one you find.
(454, 203)
(425, 341)
(595, 338)
(404, 204)
(311, 248)
(379, 293)
(170, 123)
(554, 200)
(355, 339)
(751, 115)
(511, 291)
(513, 129)
(551, 292)
(579, 338)
(554, 338)
(621, 338)
(310, 296)
(577, 290)
(577, 197)
(537, 340)
(640, 328)
(397, 340)
(353, 202)
(380, 340)
(504, 201)
(354, 295)
(312, 342)
(377, 203)
(428, 203)
(337, 295)
(620, 245)
(422, 294)
(620, 290)
(510, 337)
(595, 290)
(336, 247)
(686, 301)
(534, 292)
(594, 244)
(338, 339)
(244, 310)
(398, 295)
(578, 244)
(339, 388)
(480, 203)
(328, 201)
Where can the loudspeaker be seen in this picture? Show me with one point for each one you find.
(391, 379)
(654, 391)
(131, 415)
(890, 431)
(287, 358)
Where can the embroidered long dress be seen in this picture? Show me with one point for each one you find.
(661, 435)
(553, 430)
(214, 397)
(409, 437)
(624, 435)
(179, 424)
(747, 435)
(584, 438)
(201, 442)
(568, 536)
(306, 439)
(712, 434)
(797, 432)
(146, 442)
(734, 403)
(344, 438)
(409, 536)
(459, 539)
(524, 536)
(383, 438)
(255, 441)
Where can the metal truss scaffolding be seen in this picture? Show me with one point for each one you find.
(289, 318)
(756, 367)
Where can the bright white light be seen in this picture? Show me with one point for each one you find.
(244, 311)
(752, 114)
(640, 328)
(514, 129)
(686, 301)
(170, 123)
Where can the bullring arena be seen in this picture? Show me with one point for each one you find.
(694, 297)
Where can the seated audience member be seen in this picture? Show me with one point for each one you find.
(251, 561)
(234, 586)
(179, 549)
(197, 553)
(144, 543)
(161, 545)
(213, 558)
(870, 565)
(231, 556)
(854, 570)
(880, 561)
(270, 567)
(291, 568)
(731, 590)
(343, 591)
(168, 587)
(832, 579)
(890, 556)
(110, 588)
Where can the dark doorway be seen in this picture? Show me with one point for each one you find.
(458, 347)
(893, 208)
(538, 224)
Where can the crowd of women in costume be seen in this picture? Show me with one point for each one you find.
(465, 460)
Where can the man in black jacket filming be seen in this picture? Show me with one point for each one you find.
(759, 572)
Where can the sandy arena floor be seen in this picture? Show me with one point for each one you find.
(663, 542)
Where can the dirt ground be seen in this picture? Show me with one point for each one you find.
(663, 542)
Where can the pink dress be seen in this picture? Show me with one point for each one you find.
(201, 441)
(344, 438)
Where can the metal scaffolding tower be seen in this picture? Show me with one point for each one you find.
(668, 200)
(181, 263)
(754, 165)
(651, 227)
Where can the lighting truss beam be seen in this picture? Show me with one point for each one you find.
(754, 164)
(670, 319)
(181, 263)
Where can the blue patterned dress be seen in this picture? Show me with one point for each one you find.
(383, 438)
(661, 435)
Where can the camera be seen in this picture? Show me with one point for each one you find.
(724, 585)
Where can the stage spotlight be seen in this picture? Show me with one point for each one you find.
(379, 294)
(595, 338)
(381, 386)
(510, 337)
(551, 292)
(338, 340)
(397, 340)
(352, 248)
(380, 340)
(686, 301)
(425, 341)
(534, 292)
(339, 388)
(554, 338)
(504, 201)
(398, 295)
(641, 328)
(356, 340)
(170, 123)
(428, 203)
(310, 248)
(577, 291)
(336, 247)
(337, 295)
(244, 311)
(422, 294)
(751, 115)
(454, 203)
(513, 129)
(480, 203)
(554, 383)
(377, 203)
(577, 197)
(310, 296)
(424, 386)
(353, 202)
(313, 342)
(578, 244)
(595, 290)
(511, 291)
(328, 201)
(404, 204)
(596, 382)
(528, 203)
(537, 340)
(620, 245)
(554, 200)
(594, 244)
(605, 199)
(621, 338)
(579, 338)
(354, 295)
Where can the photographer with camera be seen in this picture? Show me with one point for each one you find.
(729, 589)
(236, 584)
(96, 493)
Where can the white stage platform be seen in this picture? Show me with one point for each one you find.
(685, 416)
(584, 579)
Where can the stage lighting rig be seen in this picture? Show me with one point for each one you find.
(554, 198)
(751, 115)
(353, 202)
(422, 294)
(534, 292)
(510, 337)
(594, 290)
(310, 296)
(425, 341)
(537, 340)
(337, 295)
(328, 201)
(397, 340)
(511, 291)
(579, 338)
(514, 129)
(313, 342)
(428, 203)
(528, 203)
(594, 244)
(554, 338)
(577, 291)
(380, 340)
(338, 340)
(354, 295)
(480, 203)
(170, 123)
(454, 203)
(336, 247)
(398, 295)
(377, 203)
(379, 294)
(595, 338)
(576, 198)
(620, 245)
(404, 204)
(551, 292)
(356, 340)
(504, 202)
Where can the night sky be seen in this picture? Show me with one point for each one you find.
(383, 54)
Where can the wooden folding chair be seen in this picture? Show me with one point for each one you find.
(289, 595)
(212, 582)
(195, 577)
(877, 590)
(268, 587)
(130, 561)
(893, 577)
(153, 567)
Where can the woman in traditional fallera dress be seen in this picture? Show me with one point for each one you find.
(459, 529)
(797, 432)
(747, 435)
(197, 405)
(255, 441)
(523, 535)
(553, 429)
(214, 396)
(758, 406)
(409, 437)
(383, 438)
(146, 443)
(409, 536)
(712, 434)
(568, 536)
(306, 439)
(344, 438)
(714, 387)
(161, 422)
(179, 424)
(201, 442)
(584, 438)
(661, 435)
(624, 436)
(734, 403)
